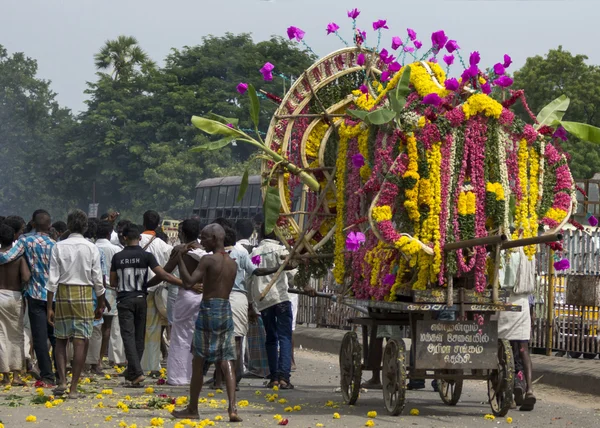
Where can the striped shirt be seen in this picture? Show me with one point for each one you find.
(37, 249)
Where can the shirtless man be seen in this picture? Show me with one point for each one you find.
(13, 276)
(214, 336)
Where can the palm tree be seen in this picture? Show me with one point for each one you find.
(122, 56)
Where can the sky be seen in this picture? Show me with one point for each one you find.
(64, 35)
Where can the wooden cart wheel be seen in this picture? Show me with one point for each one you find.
(394, 376)
(502, 381)
(350, 367)
(450, 390)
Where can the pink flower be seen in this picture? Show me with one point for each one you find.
(379, 24)
(389, 279)
(551, 154)
(503, 82)
(394, 67)
(409, 49)
(560, 133)
(529, 133)
(451, 84)
(385, 57)
(256, 260)
(266, 71)
(354, 240)
(295, 33)
(562, 201)
(242, 88)
(385, 76)
(562, 264)
(451, 46)
(507, 61)
(592, 220)
(499, 69)
(474, 58)
(358, 160)
(418, 44)
(332, 27)
(396, 42)
(363, 88)
(412, 34)
(438, 40)
(433, 60)
(230, 125)
(486, 88)
(449, 59)
(353, 13)
(360, 60)
(506, 117)
(432, 99)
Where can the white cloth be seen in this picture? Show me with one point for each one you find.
(114, 239)
(239, 310)
(270, 253)
(172, 292)
(95, 346)
(515, 325)
(109, 250)
(28, 337)
(12, 353)
(179, 361)
(75, 261)
(116, 350)
(294, 299)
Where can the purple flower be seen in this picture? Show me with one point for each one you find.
(385, 76)
(354, 240)
(438, 39)
(361, 36)
(363, 88)
(332, 27)
(396, 42)
(503, 81)
(242, 88)
(412, 34)
(418, 44)
(449, 59)
(592, 220)
(385, 57)
(432, 99)
(266, 71)
(560, 133)
(379, 24)
(394, 67)
(499, 69)
(486, 88)
(256, 260)
(409, 49)
(562, 264)
(230, 125)
(389, 279)
(474, 58)
(353, 13)
(451, 46)
(470, 72)
(507, 61)
(433, 59)
(295, 33)
(358, 160)
(451, 84)
(360, 60)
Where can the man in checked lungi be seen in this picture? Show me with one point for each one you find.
(214, 336)
(74, 272)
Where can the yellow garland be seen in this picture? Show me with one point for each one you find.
(435, 164)
(462, 203)
(423, 82)
(471, 207)
(481, 103)
(339, 269)
(412, 194)
(522, 205)
(363, 101)
(382, 213)
(408, 245)
(399, 277)
(313, 143)
(363, 148)
(495, 188)
(534, 167)
(556, 214)
(422, 121)
(391, 85)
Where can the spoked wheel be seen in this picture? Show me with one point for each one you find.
(350, 368)
(394, 376)
(451, 389)
(502, 380)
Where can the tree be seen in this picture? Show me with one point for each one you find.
(560, 72)
(122, 56)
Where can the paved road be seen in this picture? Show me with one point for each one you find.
(316, 381)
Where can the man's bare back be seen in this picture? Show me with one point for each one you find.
(13, 274)
(219, 275)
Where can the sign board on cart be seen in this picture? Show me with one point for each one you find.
(456, 345)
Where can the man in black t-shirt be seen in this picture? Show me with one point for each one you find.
(129, 276)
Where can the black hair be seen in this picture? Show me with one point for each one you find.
(191, 229)
(60, 227)
(131, 231)
(201, 226)
(104, 216)
(122, 223)
(229, 237)
(244, 228)
(223, 222)
(258, 219)
(151, 220)
(92, 228)
(14, 221)
(42, 218)
(36, 212)
(7, 234)
(104, 231)
(77, 222)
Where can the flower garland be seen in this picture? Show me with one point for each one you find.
(313, 143)
(481, 103)
(533, 199)
(411, 181)
(422, 81)
(363, 148)
(433, 219)
(522, 206)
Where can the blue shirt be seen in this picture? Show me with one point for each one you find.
(37, 249)
(244, 268)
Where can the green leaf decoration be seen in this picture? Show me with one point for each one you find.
(271, 208)
(396, 106)
(213, 127)
(254, 105)
(553, 111)
(213, 145)
(359, 114)
(381, 116)
(583, 131)
(403, 90)
(243, 186)
(213, 116)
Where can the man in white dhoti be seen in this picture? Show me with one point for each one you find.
(185, 309)
(13, 276)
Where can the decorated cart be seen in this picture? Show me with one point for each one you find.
(411, 185)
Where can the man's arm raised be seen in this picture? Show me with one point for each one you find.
(14, 253)
(196, 277)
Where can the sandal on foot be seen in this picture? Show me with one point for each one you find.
(271, 384)
(59, 391)
(528, 402)
(285, 385)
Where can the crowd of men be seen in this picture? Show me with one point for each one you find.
(87, 290)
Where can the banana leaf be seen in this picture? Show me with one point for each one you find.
(583, 131)
(214, 127)
(213, 145)
(271, 208)
(254, 105)
(553, 111)
(243, 186)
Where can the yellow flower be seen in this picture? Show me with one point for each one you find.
(179, 425)
(100, 405)
(275, 388)
(278, 417)
(297, 408)
(157, 422)
(414, 412)
(319, 425)
(370, 423)
(243, 403)
(423, 81)
(329, 404)
(57, 402)
(48, 405)
(210, 394)
(421, 122)
(123, 424)
(218, 418)
(219, 391)
(336, 416)
(169, 407)
(40, 392)
(7, 388)
(99, 396)
(258, 393)
(133, 426)
(382, 213)
(223, 401)
(127, 397)
(489, 417)
(509, 420)
(108, 418)
(180, 401)
(481, 80)
(107, 377)
(372, 414)
(202, 400)
(149, 390)
(86, 380)
(30, 418)
(481, 103)
(288, 409)
(282, 401)
(1, 425)
(271, 399)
